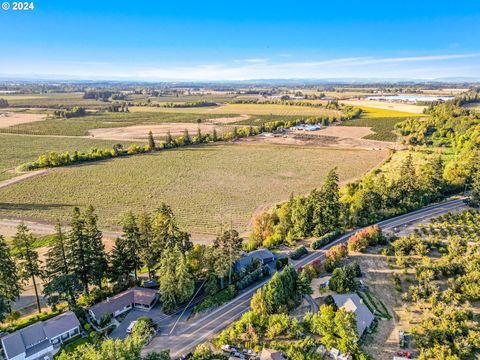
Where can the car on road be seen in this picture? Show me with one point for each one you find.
(228, 348)
(130, 327)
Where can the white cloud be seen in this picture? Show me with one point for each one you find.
(430, 66)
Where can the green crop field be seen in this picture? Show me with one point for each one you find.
(52, 99)
(18, 149)
(382, 122)
(382, 127)
(207, 186)
(80, 126)
(248, 109)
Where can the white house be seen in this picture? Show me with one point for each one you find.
(40, 338)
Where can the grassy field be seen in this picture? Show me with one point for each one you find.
(80, 126)
(51, 99)
(249, 109)
(18, 149)
(207, 186)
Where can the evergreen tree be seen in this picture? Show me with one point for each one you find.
(121, 264)
(59, 282)
(214, 135)
(148, 255)
(151, 141)
(169, 140)
(474, 200)
(27, 258)
(186, 137)
(77, 249)
(199, 136)
(9, 280)
(131, 233)
(97, 258)
(185, 282)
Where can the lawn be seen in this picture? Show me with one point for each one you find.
(18, 149)
(207, 186)
(249, 109)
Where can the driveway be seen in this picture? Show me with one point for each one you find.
(163, 321)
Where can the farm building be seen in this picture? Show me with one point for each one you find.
(41, 338)
(352, 302)
(138, 298)
(269, 354)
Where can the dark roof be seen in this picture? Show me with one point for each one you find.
(60, 324)
(36, 337)
(264, 255)
(353, 302)
(118, 302)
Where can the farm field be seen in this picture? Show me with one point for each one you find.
(52, 99)
(8, 119)
(18, 149)
(248, 109)
(79, 126)
(381, 121)
(393, 106)
(207, 186)
(382, 127)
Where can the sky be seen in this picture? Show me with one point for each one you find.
(241, 40)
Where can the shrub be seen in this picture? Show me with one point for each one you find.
(326, 239)
(281, 263)
(105, 320)
(219, 298)
(299, 252)
(370, 236)
(253, 277)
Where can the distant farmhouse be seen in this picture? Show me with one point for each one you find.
(265, 256)
(41, 338)
(138, 298)
(352, 302)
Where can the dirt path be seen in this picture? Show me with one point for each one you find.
(21, 178)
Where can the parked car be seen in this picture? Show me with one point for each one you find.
(228, 348)
(130, 327)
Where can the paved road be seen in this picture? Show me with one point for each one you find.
(189, 333)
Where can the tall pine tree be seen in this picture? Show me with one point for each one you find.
(9, 281)
(148, 255)
(131, 234)
(77, 249)
(60, 284)
(27, 258)
(97, 258)
(151, 141)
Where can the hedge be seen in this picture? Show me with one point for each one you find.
(299, 252)
(253, 277)
(326, 239)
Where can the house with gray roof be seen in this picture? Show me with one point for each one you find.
(265, 256)
(352, 302)
(137, 297)
(41, 338)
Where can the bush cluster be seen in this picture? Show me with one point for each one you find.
(326, 239)
(299, 252)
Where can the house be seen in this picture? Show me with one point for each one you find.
(265, 256)
(269, 354)
(352, 302)
(40, 338)
(137, 297)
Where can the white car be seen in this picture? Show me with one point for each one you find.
(130, 327)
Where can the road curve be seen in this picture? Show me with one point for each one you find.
(191, 334)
